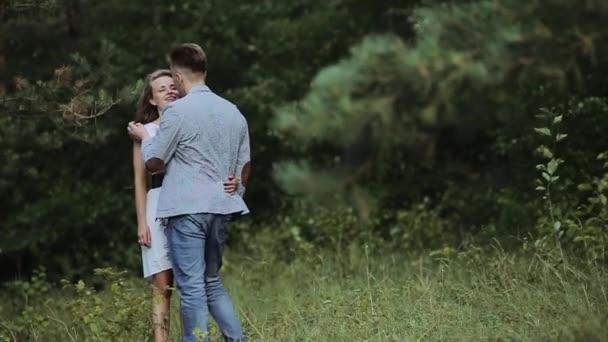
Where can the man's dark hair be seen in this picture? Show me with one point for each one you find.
(189, 56)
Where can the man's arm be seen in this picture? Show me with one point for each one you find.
(158, 151)
(243, 161)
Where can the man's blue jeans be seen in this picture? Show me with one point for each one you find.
(196, 245)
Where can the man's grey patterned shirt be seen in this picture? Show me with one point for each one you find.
(203, 139)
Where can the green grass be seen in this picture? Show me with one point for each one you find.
(409, 299)
(356, 297)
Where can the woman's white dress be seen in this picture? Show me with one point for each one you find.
(155, 258)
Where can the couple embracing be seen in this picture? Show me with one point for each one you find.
(195, 146)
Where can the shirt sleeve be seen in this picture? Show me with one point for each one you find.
(164, 144)
(243, 160)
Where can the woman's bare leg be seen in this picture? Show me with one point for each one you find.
(161, 304)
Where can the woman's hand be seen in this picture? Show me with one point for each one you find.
(144, 237)
(231, 185)
(137, 131)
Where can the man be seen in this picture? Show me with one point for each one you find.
(203, 140)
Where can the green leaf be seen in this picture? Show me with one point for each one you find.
(543, 131)
(103, 95)
(541, 188)
(584, 187)
(557, 225)
(546, 176)
(545, 151)
(560, 137)
(80, 285)
(558, 119)
(552, 166)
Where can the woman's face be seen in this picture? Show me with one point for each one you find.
(163, 92)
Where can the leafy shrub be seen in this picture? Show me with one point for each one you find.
(116, 309)
(574, 190)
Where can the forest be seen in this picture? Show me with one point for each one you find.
(421, 169)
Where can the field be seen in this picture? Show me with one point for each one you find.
(352, 297)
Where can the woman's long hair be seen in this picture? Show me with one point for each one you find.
(147, 112)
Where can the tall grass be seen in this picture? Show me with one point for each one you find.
(370, 298)
(358, 296)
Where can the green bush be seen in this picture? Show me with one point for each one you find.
(573, 179)
(117, 308)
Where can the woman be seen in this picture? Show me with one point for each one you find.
(158, 92)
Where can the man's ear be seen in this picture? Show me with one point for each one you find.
(177, 78)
